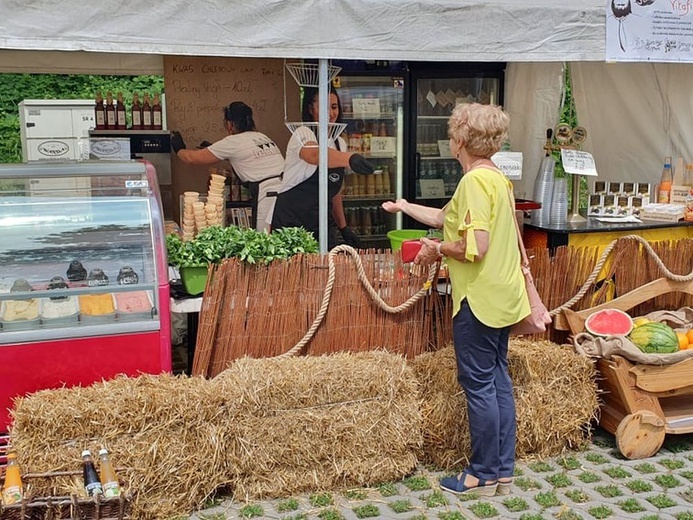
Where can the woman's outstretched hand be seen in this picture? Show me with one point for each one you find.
(394, 206)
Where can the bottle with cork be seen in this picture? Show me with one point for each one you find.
(136, 112)
(110, 112)
(156, 113)
(120, 112)
(99, 112)
(146, 113)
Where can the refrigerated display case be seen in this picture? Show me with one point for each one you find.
(84, 291)
(434, 90)
(373, 110)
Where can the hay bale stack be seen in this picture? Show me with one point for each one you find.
(319, 422)
(555, 397)
(163, 429)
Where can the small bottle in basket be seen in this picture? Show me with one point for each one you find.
(13, 490)
(92, 482)
(109, 479)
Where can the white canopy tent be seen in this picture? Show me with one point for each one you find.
(634, 113)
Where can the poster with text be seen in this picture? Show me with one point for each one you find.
(649, 30)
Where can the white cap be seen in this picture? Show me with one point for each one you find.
(103, 451)
(86, 453)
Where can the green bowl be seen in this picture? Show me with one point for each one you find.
(397, 236)
(194, 279)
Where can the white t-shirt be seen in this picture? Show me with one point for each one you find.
(296, 170)
(253, 155)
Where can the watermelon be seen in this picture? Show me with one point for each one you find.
(655, 338)
(609, 322)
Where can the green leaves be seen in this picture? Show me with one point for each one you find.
(215, 243)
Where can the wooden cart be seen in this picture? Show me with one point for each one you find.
(641, 403)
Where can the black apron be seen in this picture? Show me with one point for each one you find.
(299, 206)
(254, 189)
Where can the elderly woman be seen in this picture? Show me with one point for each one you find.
(488, 291)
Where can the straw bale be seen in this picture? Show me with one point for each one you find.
(163, 430)
(319, 422)
(555, 398)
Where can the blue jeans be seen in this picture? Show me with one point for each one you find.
(482, 371)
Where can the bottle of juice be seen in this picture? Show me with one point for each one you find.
(92, 482)
(13, 490)
(664, 193)
(146, 113)
(99, 112)
(110, 112)
(136, 112)
(156, 113)
(120, 112)
(109, 479)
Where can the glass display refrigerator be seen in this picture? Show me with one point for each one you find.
(433, 91)
(373, 111)
(84, 291)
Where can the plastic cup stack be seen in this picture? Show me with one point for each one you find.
(559, 202)
(543, 192)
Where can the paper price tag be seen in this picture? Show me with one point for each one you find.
(366, 106)
(432, 188)
(578, 162)
(383, 146)
(444, 148)
(510, 163)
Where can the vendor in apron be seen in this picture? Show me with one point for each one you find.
(256, 159)
(298, 202)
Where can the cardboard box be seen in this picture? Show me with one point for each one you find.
(599, 188)
(629, 189)
(595, 207)
(609, 205)
(679, 194)
(615, 188)
(663, 212)
(636, 204)
(644, 189)
(623, 206)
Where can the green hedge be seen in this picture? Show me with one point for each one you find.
(17, 87)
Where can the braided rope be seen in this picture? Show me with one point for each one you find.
(369, 288)
(602, 260)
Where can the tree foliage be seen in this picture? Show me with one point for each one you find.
(16, 87)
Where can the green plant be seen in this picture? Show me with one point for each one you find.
(661, 501)
(321, 499)
(600, 511)
(684, 516)
(418, 483)
(639, 486)
(531, 517)
(355, 494)
(540, 467)
(667, 481)
(596, 458)
(330, 514)
(645, 467)
(672, 464)
(616, 472)
(388, 489)
(435, 499)
(559, 480)
(687, 474)
(577, 496)
(290, 504)
(450, 515)
(588, 477)
(419, 517)
(483, 510)
(568, 515)
(676, 446)
(366, 511)
(401, 506)
(525, 483)
(548, 499)
(630, 505)
(569, 463)
(212, 516)
(515, 504)
(251, 511)
(299, 516)
(609, 491)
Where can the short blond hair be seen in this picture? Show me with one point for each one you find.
(481, 129)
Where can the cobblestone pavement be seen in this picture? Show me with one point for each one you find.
(591, 484)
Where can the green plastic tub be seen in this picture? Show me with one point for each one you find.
(194, 279)
(397, 236)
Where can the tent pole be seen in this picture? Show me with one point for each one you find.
(324, 99)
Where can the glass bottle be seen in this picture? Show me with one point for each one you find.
(109, 479)
(146, 113)
(120, 112)
(110, 111)
(664, 192)
(99, 112)
(156, 113)
(13, 490)
(92, 482)
(136, 112)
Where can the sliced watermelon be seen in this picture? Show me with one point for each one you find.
(609, 322)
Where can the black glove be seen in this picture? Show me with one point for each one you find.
(351, 238)
(204, 144)
(177, 143)
(359, 164)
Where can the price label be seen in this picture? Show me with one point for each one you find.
(432, 188)
(366, 106)
(383, 146)
(136, 184)
(510, 163)
(578, 162)
(444, 148)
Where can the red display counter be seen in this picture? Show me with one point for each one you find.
(84, 291)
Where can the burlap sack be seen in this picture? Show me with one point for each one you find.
(607, 347)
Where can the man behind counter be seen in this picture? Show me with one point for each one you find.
(255, 158)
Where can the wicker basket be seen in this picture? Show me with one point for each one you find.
(70, 507)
